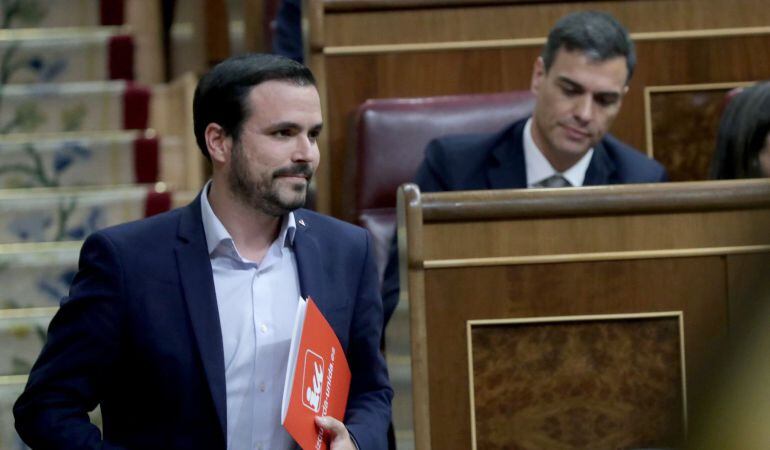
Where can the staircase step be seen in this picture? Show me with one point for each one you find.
(22, 335)
(68, 107)
(36, 275)
(66, 55)
(10, 389)
(63, 13)
(60, 160)
(49, 215)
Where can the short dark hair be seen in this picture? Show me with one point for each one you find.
(742, 132)
(595, 33)
(220, 96)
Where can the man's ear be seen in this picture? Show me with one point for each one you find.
(538, 74)
(218, 143)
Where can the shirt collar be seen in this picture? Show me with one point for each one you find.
(538, 168)
(216, 233)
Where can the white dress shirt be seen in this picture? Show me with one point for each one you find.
(538, 168)
(257, 303)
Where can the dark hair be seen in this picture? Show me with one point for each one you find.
(221, 93)
(742, 132)
(595, 33)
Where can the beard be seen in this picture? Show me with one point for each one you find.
(262, 191)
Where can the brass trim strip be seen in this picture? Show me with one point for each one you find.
(101, 87)
(34, 138)
(40, 247)
(7, 380)
(468, 339)
(109, 192)
(683, 365)
(700, 34)
(648, 124)
(531, 42)
(345, 50)
(577, 318)
(589, 257)
(697, 87)
(28, 313)
(17, 34)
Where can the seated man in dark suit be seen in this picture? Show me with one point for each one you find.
(579, 82)
(179, 325)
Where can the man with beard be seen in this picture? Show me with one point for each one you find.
(179, 325)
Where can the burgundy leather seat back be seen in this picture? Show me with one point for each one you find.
(389, 141)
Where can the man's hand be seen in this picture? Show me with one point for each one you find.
(339, 438)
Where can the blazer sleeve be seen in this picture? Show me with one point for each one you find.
(431, 175)
(82, 344)
(368, 411)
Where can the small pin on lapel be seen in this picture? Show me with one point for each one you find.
(301, 222)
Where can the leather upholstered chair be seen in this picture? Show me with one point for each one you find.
(388, 144)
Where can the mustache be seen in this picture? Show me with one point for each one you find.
(299, 169)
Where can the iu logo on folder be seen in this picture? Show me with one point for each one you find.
(312, 380)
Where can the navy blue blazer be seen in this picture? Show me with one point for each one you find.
(139, 334)
(496, 161)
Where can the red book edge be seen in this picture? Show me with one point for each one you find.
(317, 378)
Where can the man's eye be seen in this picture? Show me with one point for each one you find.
(603, 100)
(283, 133)
(570, 90)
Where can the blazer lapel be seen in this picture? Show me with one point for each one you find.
(508, 170)
(601, 170)
(309, 266)
(200, 296)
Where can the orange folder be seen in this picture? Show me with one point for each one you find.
(317, 378)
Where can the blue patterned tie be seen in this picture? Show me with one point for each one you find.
(554, 181)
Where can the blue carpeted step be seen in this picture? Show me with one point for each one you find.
(114, 158)
(36, 275)
(61, 13)
(49, 215)
(66, 55)
(70, 107)
(10, 389)
(22, 335)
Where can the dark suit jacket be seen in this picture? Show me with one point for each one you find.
(287, 38)
(496, 161)
(139, 334)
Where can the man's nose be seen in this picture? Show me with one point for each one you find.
(583, 110)
(305, 149)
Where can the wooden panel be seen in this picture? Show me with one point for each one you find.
(683, 127)
(748, 287)
(352, 79)
(144, 18)
(594, 234)
(466, 21)
(217, 31)
(696, 286)
(578, 384)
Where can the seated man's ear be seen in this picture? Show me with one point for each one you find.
(218, 143)
(538, 74)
